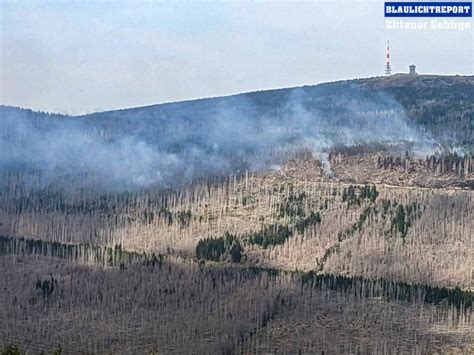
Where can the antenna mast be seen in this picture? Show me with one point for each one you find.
(388, 68)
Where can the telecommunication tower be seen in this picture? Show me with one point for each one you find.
(388, 68)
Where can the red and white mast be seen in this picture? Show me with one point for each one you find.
(388, 68)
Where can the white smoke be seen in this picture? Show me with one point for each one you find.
(178, 142)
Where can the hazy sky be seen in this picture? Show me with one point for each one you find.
(84, 56)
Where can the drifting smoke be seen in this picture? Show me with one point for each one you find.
(179, 142)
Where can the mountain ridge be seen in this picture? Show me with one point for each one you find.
(393, 80)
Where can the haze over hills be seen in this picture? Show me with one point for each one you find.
(252, 131)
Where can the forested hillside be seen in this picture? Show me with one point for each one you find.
(444, 105)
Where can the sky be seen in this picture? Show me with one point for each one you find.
(76, 57)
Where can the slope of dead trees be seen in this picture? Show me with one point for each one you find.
(47, 303)
(408, 234)
(126, 268)
(101, 256)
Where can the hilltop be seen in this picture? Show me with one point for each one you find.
(442, 104)
(430, 100)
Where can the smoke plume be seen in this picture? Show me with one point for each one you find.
(178, 142)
